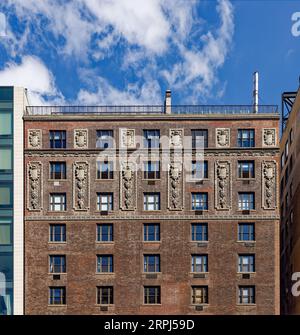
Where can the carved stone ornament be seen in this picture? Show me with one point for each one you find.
(176, 138)
(269, 192)
(80, 138)
(81, 186)
(128, 184)
(269, 137)
(223, 185)
(34, 138)
(175, 187)
(223, 137)
(34, 188)
(127, 138)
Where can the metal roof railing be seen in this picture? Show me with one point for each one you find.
(150, 109)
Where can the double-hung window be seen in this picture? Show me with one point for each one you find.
(246, 201)
(246, 138)
(57, 139)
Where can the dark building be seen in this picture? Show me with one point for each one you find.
(120, 219)
(290, 200)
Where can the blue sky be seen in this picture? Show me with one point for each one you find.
(129, 52)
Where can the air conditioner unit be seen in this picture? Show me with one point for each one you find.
(246, 275)
(199, 275)
(198, 212)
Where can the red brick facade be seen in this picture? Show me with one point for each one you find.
(175, 247)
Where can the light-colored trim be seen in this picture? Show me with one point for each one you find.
(153, 217)
(20, 102)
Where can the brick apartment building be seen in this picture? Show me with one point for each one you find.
(105, 237)
(290, 200)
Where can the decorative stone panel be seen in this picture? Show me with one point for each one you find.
(81, 186)
(34, 188)
(127, 137)
(223, 191)
(34, 138)
(223, 137)
(269, 185)
(175, 187)
(128, 184)
(176, 138)
(80, 138)
(269, 137)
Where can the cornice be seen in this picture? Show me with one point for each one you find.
(177, 217)
(158, 117)
(95, 152)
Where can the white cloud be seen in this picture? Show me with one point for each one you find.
(141, 23)
(148, 31)
(106, 94)
(33, 75)
(197, 68)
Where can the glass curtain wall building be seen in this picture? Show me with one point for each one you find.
(6, 200)
(12, 104)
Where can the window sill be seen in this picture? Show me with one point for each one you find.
(107, 179)
(240, 241)
(199, 273)
(247, 305)
(154, 211)
(55, 180)
(151, 273)
(250, 210)
(60, 306)
(57, 212)
(247, 179)
(105, 305)
(105, 243)
(199, 210)
(152, 242)
(246, 273)
(195, 180)
(204, 304)
(57, 243)
(158, 305)
(57, 273)
(105, 273)
(204, 242)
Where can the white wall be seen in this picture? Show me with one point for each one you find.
(20, 102)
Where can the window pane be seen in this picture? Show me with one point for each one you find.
(5, 234)
(5, 195)
(5, 124)
(5, 159)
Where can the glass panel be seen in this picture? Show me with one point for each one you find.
(5, 195)
(6, 93)
(5, 233)
(5, 159)
(5, 124)
(6, 266)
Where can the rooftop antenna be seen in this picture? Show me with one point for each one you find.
(255, 92)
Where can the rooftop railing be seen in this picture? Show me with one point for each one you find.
(151, 109)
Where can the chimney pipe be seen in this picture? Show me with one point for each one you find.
(168, 102)
(255, 92)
